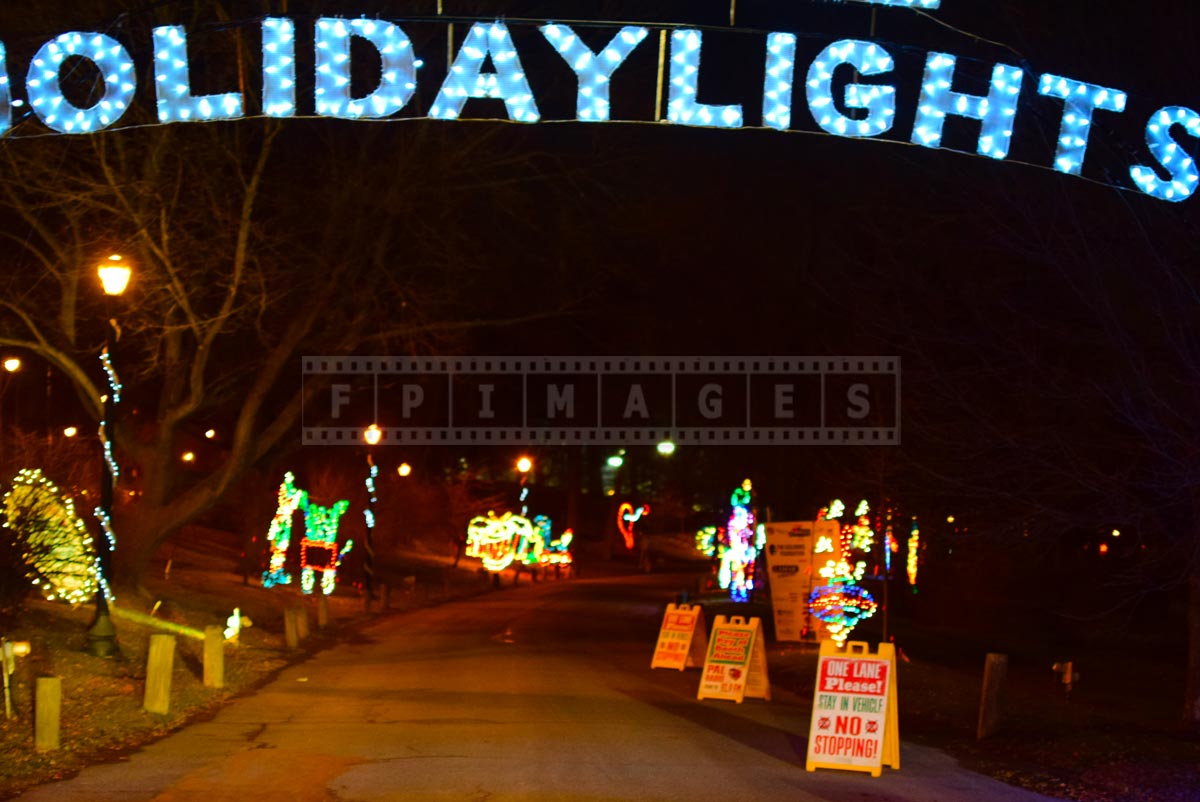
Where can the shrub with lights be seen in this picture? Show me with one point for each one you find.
(54, 543)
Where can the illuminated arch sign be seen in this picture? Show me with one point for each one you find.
(845, 87)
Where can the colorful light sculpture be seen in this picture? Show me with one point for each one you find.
(627, 516)
(914, 550)
(707, 540)
(319, 548)
(841, 604)
(742, 543)
(279, 535)
(56, 546)
(558, 552)
(499, 541)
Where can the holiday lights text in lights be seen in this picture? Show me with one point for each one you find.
(487, 64)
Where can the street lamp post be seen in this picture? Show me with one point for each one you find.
(102, 636)
(524, 465)
(371, 435)
(11, 365)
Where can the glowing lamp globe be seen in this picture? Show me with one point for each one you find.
(524, 464)
(372, 434)
(114, 275)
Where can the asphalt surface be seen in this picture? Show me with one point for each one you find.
(541, 692)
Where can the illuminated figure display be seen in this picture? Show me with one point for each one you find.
(743, 541)
(558, 552)
(627, 516)
(914, 549)
(840, 604)
(499, 541)
(279, 535)
(319, 549)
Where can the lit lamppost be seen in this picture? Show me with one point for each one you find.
(524, 465)
(371, 435)
(102, 637)
(11, 365)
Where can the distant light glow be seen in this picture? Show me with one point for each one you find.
(666, 448)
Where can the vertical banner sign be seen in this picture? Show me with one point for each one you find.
(855, 718)
(736, 664)
(683, 638)
(790, 566)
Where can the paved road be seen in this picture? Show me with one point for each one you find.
(542, 692)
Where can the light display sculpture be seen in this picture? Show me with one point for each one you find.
(558, 552)
(498, 541)
(319, 550)
(841, 604)
(743, 541)
(627, 516)
(707, 541)
(914, 552)
(319, 547)
(55, 544)
(279, 535)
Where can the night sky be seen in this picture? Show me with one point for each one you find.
(1045, 322)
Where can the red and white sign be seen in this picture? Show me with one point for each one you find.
(682, 639)
(853, 720)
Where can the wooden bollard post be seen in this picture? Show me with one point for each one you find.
(291, 628)
(995, 668)
(322, 611)
(302, 622)
(159, 667)
(47, 713)
(214, 657)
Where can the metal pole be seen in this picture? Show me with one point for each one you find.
(102, 637)
(369, 548)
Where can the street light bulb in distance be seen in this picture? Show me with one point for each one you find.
(404, 469)
(114, 275)
(12, 364)
(372, 434)
(524, 464)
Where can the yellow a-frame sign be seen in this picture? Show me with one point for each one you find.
(682, 639)
(736, 663)
(855, 720)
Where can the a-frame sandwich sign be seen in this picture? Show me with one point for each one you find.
(682, 638)
(736, 663)
(855, 722)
